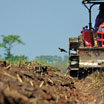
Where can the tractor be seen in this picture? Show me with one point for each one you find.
(86, 52)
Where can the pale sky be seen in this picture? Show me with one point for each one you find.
(44, 25)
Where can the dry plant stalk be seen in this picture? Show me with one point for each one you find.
(57, 99)
(66, 98)
(9, 67)
(50, 80)
(41, 84)
(5, 73)
(31, 83)
(19, 78)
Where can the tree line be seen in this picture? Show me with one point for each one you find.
(52, 59)
(10, 41)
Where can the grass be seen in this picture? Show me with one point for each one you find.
(62, 66)
(16, 60)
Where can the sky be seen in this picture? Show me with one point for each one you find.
(44, 25)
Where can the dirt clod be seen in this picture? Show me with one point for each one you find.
(42, 85)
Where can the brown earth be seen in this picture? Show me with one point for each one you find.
(33, 83)
(92, 86)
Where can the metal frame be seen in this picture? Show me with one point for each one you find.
(89, 1)
(85, 2)
(90, 19)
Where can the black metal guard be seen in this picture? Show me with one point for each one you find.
(89, 10)
(93, 1)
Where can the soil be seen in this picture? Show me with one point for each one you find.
(92, 86)
(32, 83)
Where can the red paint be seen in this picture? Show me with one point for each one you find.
(100, 35)
(88, 37)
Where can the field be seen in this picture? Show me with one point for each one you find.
(33, 83)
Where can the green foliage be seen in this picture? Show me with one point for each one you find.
(55, 61)
(50, 59)
(43, 62)
(17, 60)
(8, 42)
(1, 45)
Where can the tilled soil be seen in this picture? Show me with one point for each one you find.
(33, 83)
(92, 87)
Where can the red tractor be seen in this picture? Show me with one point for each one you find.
(86, 52)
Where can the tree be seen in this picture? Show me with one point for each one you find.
(8, 42)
